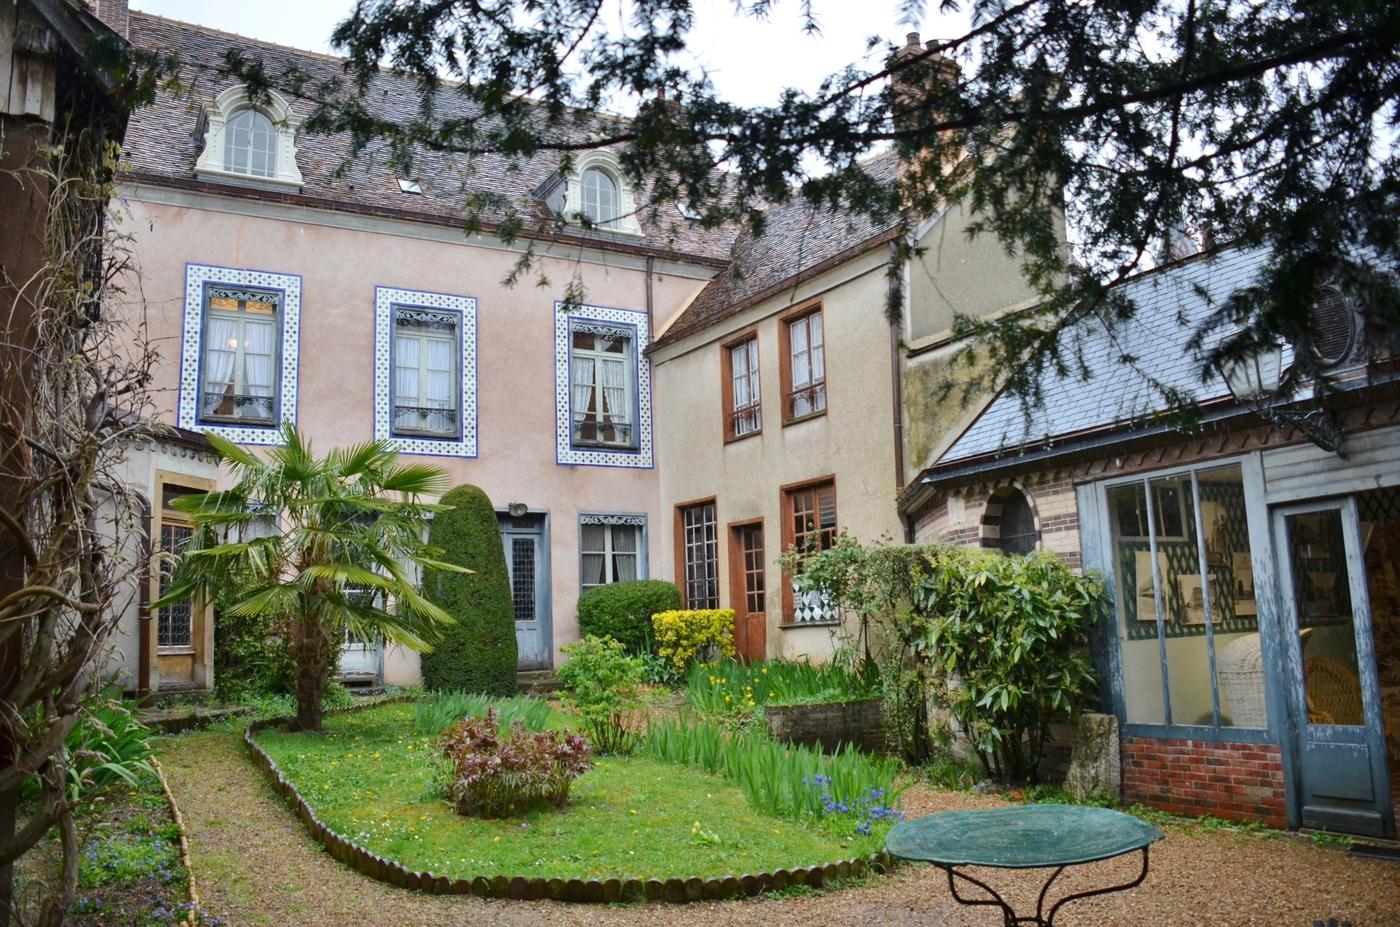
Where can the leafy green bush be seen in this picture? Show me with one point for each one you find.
(787, 781)
(623, 611)
(477, 654)
(108, 744)
(603, 684)
(252, 656)
(1011, 636)
(1000, 642)
(685, 636)
(434, 714)
(491, 773)
(728, 687)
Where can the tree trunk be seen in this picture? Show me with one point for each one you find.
(311, 647)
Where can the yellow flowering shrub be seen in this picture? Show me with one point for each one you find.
(687, 635)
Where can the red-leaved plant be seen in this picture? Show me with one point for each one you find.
(489, 773)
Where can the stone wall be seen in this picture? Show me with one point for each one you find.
(1242, 782)
(829, 724)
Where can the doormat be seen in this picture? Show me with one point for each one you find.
(1375, 851)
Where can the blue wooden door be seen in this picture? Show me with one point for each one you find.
(526, 565)
(1342, 783)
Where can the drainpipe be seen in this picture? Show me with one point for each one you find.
(650, 263)
(896, 378)
(143, 614)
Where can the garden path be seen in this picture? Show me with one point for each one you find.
(255, 865)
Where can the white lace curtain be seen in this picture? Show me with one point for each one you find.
(257, 356)
(582, 386)
(221, 339)
(229, 339)
(615, 405)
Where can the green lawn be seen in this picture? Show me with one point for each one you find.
(369, 777)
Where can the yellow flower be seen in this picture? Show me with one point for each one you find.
(495, 839)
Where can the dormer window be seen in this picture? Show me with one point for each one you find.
(599, 196)
(251, 141)
(596, 193)
(250, 144)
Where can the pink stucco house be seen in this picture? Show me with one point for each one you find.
(355, 306)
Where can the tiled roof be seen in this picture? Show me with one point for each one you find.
(1169, 303)
(797, 238)
(162, 144)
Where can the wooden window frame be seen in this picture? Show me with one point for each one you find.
(679, 547)
(727, 384)
(785, 362)
(201, 612)
(788, 538)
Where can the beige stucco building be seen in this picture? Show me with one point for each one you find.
(795, 407)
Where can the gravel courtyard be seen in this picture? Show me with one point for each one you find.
(253, 864)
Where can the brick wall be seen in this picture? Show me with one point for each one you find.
(1242, 782)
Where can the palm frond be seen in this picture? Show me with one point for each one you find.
(233, 453)
(415, 478)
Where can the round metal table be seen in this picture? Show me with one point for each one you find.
(1023, 837)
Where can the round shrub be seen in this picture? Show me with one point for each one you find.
(477, 654)
(623, 611)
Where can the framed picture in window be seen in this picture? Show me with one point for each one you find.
(1143, 583)
(1192, 597)
(1242, 575)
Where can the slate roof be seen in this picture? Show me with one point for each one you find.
(162, 145)
(798, 239)
(1169, 304)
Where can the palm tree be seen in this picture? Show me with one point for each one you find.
(304, 538)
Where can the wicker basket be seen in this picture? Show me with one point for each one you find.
(1239, 669)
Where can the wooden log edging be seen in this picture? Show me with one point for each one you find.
(520, 888)
(192, 915)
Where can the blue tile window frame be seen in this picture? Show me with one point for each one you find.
(567, 453)
(287, 288)
(386, 301)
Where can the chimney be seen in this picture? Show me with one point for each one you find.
(114, 13)
(927, 73)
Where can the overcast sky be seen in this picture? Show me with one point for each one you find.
(749, 60)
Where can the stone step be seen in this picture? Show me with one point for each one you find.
(537, 682)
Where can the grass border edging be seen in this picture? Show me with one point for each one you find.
(592, 891)
(192, 916)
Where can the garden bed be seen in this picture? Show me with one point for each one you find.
(634, 827)
(131, 870)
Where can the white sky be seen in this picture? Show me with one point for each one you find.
(750, 60)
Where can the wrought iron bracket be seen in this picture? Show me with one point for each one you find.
(1317, 424)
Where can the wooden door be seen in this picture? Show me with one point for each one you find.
(747, 591)
(1342, 781)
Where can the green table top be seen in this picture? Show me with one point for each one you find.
(1021, 837)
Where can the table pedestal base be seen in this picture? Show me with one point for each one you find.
(1041, 918)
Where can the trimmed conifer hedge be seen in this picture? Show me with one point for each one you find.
(478, 653)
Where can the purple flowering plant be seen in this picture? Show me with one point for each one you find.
(866, 808)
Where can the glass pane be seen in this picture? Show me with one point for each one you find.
(1135, 599)
(594, 537)
(1331, 679)
(1380, 551)
(522, 578)
(1184, 596)
(1239, 671)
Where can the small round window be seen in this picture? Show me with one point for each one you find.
(250, 144)
(599, 196)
